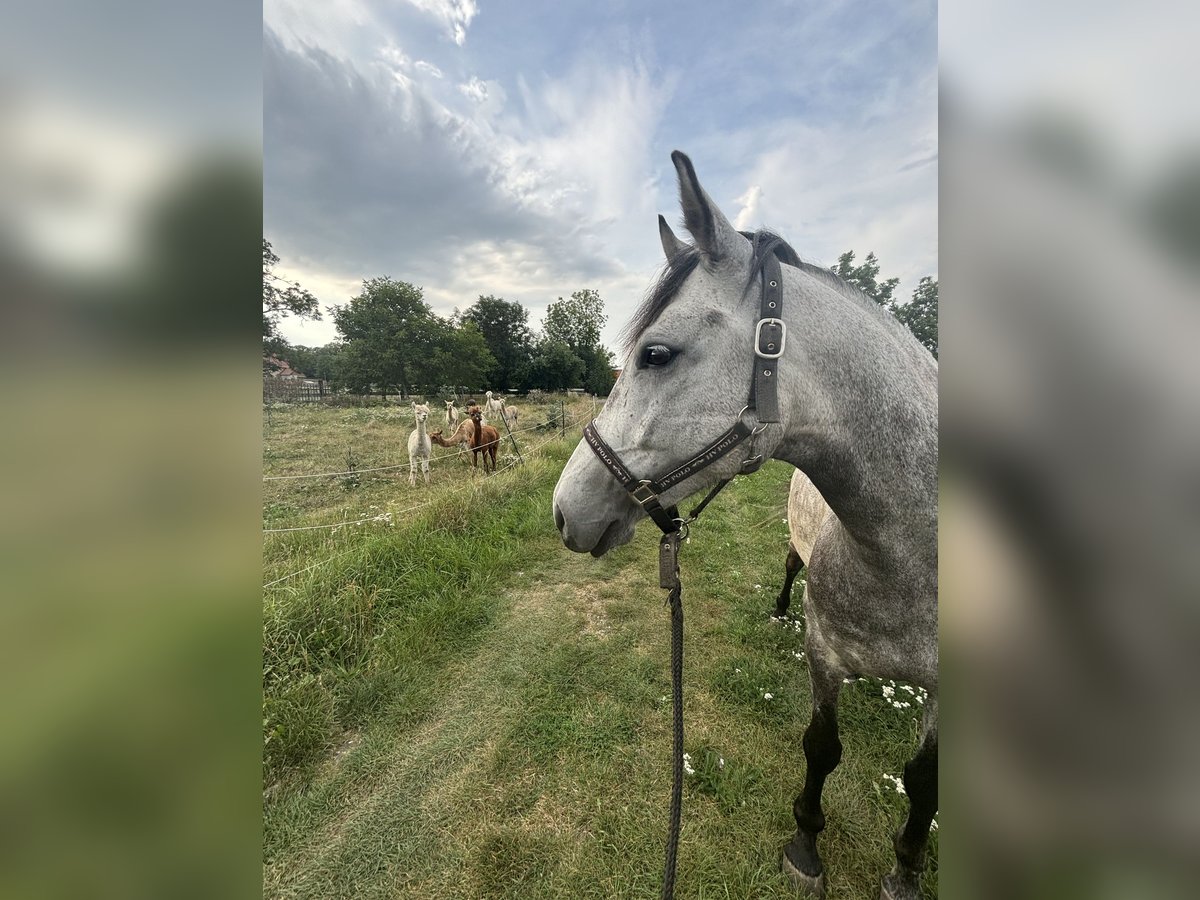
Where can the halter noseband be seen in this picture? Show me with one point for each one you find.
(770, 338)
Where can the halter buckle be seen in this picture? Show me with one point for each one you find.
(643, 493)
(758, 350)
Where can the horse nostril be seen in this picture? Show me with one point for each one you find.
(559, 521)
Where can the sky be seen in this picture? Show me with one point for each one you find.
(521, 148)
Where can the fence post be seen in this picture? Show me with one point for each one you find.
(562, 418)
(504, 418)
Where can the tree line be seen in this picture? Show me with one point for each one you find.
(392, 342)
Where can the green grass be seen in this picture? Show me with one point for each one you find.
(459, 707)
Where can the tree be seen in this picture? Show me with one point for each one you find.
(394, 343)
(576, 322)
(390, 333)
(921, 313)
(280, 298)
(865, 277)
(597, 372)
(555, 367)
(316, 362)
(460, 358)
(504, 326)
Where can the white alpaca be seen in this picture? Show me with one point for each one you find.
(419, 445)
(493, 408)
(510, 415)
(451, 415)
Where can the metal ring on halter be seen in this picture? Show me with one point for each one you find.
(757, 429)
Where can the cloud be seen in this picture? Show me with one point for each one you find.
(367, 172)
(476, 89)
(428, 68)
(455, 14)
(749, 202)
(536, 171)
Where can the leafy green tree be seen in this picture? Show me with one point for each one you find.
(460, 358)
(921, 313)
(391, 334)
(555, 367)
(577, 321)
(598, 375)
(865, 277)
(280, 298)
(316, 362)
(504, 326)
(394, 343)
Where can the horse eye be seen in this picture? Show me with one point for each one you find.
(656, 355)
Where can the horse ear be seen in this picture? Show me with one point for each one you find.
(715, 236)
(672, 246)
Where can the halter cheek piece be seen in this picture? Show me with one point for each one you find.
(770, 338)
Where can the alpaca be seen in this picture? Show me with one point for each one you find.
(487, 439)
(451, 415)
(493, 407)
(419, 446)
(462, 437)
(510, 415)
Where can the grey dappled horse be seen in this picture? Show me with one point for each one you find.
(858, 401)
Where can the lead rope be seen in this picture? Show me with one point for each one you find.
(668, 577)
(669, 548)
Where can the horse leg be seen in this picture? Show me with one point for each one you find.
(412, 472)
(920, 783)
(793, 566)
(822, 753)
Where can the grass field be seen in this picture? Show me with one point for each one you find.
(456, 706)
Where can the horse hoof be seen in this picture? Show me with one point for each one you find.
(808, 885)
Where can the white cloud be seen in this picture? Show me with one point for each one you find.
(428, 68)
(476, 89)
(379, 163)
(455, 14)
(749, 202)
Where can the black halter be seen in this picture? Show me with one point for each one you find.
(770, 337)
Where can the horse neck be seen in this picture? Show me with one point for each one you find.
(862, 421)
(421, 428)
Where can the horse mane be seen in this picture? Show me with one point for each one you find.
(763, 243)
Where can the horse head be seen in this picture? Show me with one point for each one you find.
(686, 376)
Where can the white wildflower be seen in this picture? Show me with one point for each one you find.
(768, 696)
(721, 763)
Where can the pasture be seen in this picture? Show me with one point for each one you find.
(456, 706)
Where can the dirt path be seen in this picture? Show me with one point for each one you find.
(408, 788)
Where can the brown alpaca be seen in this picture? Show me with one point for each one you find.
(468, 430)
(464, 435)
(487, 439)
